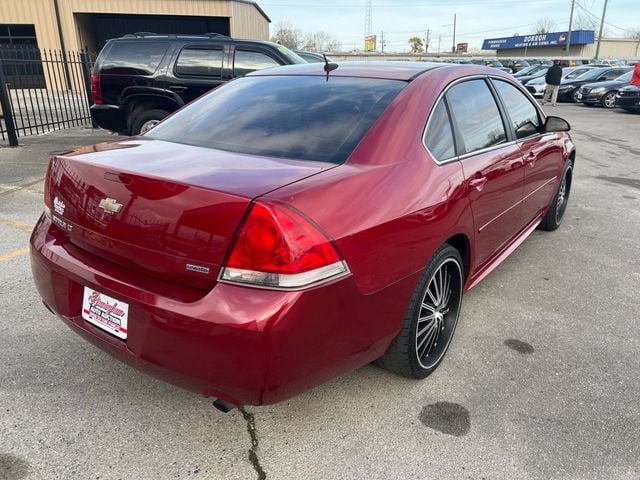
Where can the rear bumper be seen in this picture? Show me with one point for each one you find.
(243, 345)
(110, 117)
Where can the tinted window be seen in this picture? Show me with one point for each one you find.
(133, 58)
(439, 136)
(307, 118)
(577, 72)
(246, 61)
(524, 116)
(591, 74)
(476, 115)
(200, 61)
(626, 77)
(612, 74)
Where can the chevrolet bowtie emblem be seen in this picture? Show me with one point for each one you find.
(110, 205)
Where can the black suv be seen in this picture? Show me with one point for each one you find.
(139, 79)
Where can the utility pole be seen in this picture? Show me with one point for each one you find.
(454, 33)
(427, 40)
(573, 6)
(382, 41)
(604, 12)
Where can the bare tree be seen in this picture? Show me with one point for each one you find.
(633, 34)
(288, 36)
(320, 42)
(582, 21)
(416, 45)
(545, 25)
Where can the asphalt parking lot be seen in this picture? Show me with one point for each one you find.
(541, 380)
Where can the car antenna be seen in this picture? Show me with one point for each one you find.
(328, 66)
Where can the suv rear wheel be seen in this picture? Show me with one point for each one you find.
(147, 120)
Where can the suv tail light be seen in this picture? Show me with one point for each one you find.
(277, 247)
(96, 90)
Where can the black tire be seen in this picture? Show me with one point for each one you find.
(609, 100)
(555, 214)
(404, 356)
(145, 118)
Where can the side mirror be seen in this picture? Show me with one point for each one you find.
(556, 124)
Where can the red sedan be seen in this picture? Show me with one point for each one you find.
(300, 222)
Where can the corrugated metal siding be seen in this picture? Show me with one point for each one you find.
(36, 12)
(246, 20)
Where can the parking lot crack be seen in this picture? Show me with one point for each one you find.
(253, 451)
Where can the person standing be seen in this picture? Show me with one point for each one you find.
(635, 79)
(553, 79)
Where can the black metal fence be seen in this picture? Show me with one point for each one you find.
(43, 90)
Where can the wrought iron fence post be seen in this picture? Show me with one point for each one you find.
(86, 75)
(6, 108)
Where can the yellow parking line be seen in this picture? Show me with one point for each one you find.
(19, 225)
(17, 253)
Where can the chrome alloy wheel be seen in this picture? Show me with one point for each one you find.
(438, 313)
(563, 195)
(148, 125)
(609, 100)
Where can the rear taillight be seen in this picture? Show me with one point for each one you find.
(47, 187)
(96, 90)
(277, 247)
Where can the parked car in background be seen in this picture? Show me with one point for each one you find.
(603, 93)
(568, 91)
(491, 63)
(268, 236)
(628, 98)
(514, 65)
(541, 71)
(537, 85)
(140, 79)
(526, 70)
(310, 57)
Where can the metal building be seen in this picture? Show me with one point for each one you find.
(554, 44)
(87, 24)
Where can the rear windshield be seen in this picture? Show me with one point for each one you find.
(132, 58)
(306, 118)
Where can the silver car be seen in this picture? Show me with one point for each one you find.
(537, 85)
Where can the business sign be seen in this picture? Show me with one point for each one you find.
(462, 47)
(552, 39)
(370, 42)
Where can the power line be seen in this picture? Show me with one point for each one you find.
(596, 17)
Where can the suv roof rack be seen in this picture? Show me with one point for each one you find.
(176, 35)
(214, 34)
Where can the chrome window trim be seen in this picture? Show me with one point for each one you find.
(484, 150)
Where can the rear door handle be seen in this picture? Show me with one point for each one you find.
(477, 183)
(178, 88)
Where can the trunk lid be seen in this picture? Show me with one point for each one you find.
(161, 209)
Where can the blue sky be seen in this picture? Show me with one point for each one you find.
(476, 19)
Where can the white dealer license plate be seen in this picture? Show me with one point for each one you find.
(105, 312)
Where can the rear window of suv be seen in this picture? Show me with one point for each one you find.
(133, 58)
(305, 118)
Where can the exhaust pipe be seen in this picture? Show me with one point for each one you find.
(222, 406)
